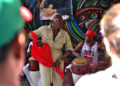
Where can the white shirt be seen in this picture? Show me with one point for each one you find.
(102, 78)
(90, 53)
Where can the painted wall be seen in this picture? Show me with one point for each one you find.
(86, 15)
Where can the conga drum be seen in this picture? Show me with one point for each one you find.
(80, 66)
(93, 68)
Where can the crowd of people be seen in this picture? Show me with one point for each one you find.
(46, 60)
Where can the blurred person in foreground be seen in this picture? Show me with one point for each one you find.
(110, 27)
(11, 42)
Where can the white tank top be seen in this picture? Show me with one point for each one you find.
(91, 54)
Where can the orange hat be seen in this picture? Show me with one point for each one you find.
(90, 33)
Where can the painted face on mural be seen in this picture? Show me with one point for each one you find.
(88, 18)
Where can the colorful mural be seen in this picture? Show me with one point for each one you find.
(86, 15)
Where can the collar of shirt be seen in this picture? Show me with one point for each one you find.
(59, 35)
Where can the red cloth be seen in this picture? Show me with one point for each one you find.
(43, 55)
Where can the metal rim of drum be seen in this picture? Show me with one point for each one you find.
(73, 63)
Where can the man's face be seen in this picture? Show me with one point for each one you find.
(88, 39)
(57, 23)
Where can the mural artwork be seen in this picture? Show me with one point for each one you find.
(86, 15)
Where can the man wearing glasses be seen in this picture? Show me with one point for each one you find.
(56, 37)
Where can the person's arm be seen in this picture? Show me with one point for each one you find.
(68, 46)
(69, 49)
(76, 54)
(37, 32)
(78, 47)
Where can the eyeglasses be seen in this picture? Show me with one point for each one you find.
(55, 20)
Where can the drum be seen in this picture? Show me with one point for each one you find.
(80, 66)
(34, 65)
(93, 68)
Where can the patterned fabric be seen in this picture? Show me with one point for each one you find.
(90, 53)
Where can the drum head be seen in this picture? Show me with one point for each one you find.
(80, 61)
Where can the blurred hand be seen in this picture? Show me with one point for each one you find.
(79, 56)
(57, 63)
(48, 11)
(39, 43)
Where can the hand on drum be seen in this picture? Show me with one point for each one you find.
(79, 56)
(57, 63)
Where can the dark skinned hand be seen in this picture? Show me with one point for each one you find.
(57, 63)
